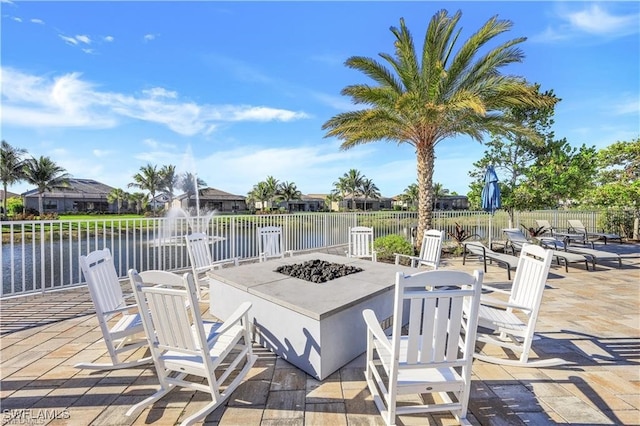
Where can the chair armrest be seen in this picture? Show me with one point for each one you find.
(495, 289)
(373, 325)
(487, 301)
(122, 309)
(235, 317)
(408, 256)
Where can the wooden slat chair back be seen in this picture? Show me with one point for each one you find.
(432, 352)
(198, 247)
(183, 345)
(271, 243)
(361, 243)
(504, 320)
(430, 250)
(126, 334)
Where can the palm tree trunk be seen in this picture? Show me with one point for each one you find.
(425, 159)
(40, 204)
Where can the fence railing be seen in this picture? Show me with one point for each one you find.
(39, 256)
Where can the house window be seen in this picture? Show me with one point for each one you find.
(50, 204)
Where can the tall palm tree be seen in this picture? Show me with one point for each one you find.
(11, 169)
(425, 97)
(368, 189)
(169, 180)
(45, 175)
(411, 194)
(271, 185)
(149, 179)
(187, 184)
(288, 191)
(352, 181)
(117, 196)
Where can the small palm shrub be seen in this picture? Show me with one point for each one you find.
(387, 246)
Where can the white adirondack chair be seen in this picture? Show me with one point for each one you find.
(430, 250)
(511, 324)
(271, 243)
(125, 334)
(435, 353)
(201, 260)
(361, 243)
(183, 345)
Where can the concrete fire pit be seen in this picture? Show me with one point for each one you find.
(317, 327)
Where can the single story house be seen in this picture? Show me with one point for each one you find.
(446, 202)
(79, 195)
(212, 199)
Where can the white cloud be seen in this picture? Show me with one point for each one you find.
(629, 106)
(149, 37)
(69, 101)
(16, 18)
(102, 152)
(70, 40)
(313, 168)
(83, 39)
(593, 20)
(108, 39)
(37, 21)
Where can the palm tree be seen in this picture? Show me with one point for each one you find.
(45, 175)
(117, 196)
(169, 180)
(138, 198)
(288, 191)
(340, 189)
(187, 184)
(352, 181)
(368, 189)
(411, 194)
(11, 169)
(439, 191)
(439, 94)
(260, 192)
(271, 185)
(149, 179)
(331, 198)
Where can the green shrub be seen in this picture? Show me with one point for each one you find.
(387, 246)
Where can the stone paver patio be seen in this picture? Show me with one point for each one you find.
(589, 318)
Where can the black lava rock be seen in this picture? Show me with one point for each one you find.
(317, 271)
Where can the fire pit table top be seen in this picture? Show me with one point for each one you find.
(315, 300)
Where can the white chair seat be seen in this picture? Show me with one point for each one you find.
(499, 318)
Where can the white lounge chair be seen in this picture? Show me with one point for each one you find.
(511, 323)
(435, 354)
(361, 243)
(198, 247)
(185, 347)
(576, 225)
(271, 243)
(430, 250)
(124, 335)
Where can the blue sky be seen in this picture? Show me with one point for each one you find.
(238, 91)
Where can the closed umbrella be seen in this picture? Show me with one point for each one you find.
(490, 195)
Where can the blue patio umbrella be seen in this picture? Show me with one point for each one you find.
(490, 195)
